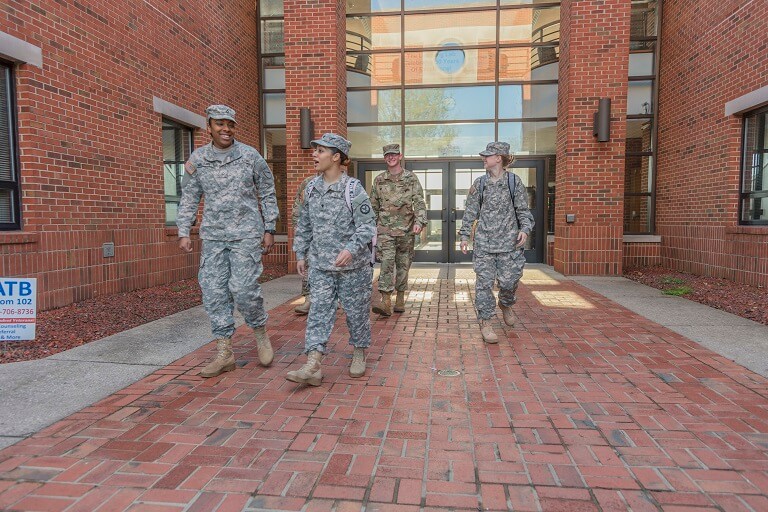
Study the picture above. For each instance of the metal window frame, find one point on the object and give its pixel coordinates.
(178, 140)
(13, 185)
(746, 166)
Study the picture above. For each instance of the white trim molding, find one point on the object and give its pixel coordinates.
(19, 50)
(749, 101)
(181, 115)
(642, 239)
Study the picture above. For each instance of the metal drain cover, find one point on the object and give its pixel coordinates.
(448, 373)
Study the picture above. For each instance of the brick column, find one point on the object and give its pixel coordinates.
(594, 60)
(315, 77)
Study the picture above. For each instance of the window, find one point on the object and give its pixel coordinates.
(754, 169)
(9, 177)
(177, 146)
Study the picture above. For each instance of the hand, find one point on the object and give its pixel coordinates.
(268, 242)
(343, 259)
(301, 267)
(521, 238)
(417, 228)
(185, 244)
(464, 244)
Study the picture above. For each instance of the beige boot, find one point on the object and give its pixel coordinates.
(303, 308)
(310, 373)
(224, 361)
(264, 347)
(400, 302)
(357, 368)
(486, 329)
(384, 308)
(509, 316)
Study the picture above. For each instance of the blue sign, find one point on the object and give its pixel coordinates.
(18, 309)
(450, 61)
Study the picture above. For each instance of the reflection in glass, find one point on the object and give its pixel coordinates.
(533, 63)
(637, 214)
(366, 33)
(361, 6)
(377, 106)
(272, 36)
(274, 108)
(446, 4)
(519, 101)
(440, 67)
(639, 135)
(432, 182)
(643, 20)
(274, 78)
(431, 237)
(638, 174)
(529, 138)
(449, 103)
(433, 140)
(530, 25)
(466, 28)
(274, 144)
(379, 69)
(367, 141)
(641, 64)
(755, 175)
(755, 208)
(271, 7)
(639, 96)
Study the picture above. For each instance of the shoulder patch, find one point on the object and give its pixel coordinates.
(189, 167)
(472, 189)
(365, 209)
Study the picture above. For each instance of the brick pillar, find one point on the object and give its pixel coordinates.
(315, 77)
(594, 60)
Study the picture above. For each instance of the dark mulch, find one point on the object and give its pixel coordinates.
(739, 299)
(77, 324)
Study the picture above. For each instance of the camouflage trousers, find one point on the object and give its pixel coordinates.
(305, 279)
(350, 287)
(229, 274)
(504, 267)
(396, 256)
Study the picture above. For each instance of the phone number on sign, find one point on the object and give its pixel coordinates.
(20, 311)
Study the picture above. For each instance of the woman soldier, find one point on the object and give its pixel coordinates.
(336, 226)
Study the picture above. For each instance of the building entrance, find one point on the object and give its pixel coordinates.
(446, 184)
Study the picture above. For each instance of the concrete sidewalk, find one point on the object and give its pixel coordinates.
(597, 399)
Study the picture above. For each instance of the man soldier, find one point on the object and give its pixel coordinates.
(398, 202)
(238, 227)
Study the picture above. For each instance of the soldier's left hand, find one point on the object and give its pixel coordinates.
(521, 238)
(417, 228)
(343, 259)
(268, 242)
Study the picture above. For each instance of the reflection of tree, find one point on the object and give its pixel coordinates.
(421, 105)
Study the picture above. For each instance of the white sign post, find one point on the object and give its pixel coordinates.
(18, 309)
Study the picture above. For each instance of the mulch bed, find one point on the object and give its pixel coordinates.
(77, 324)
(739, 299)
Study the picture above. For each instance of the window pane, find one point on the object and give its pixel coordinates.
(277, 60)
(637, 214)
(530, 25)
(272, 36)
(274, 108)
(274, 78)
(373, 33)
(638, 174)
(274, 143)
(642, 45)
(639, 135)
(643, 22)
(414, 5)
(432, 140)
(380, 69)
(6, 156)
(6, 207)
(169, 144)
(373, 106)
(171, 211)
(641, 64)
(355, 6)
(533, 63)
(755, 208)
(529, 138)
(367, 141)
(755, 172)
(449, 103)
(450, 66)
(526, 2)
(271, 7)
(527, 101)
(639, 97)
(172, 174)
(427, 30)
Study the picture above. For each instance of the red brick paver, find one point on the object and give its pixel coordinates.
(583, 405)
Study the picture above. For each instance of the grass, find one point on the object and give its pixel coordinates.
(673, 280)
(678, 291)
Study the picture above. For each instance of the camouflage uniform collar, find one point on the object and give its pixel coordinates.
(395, 177)
(210, 154)
(339, 185)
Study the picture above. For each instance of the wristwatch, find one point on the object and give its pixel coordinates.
(270, 231)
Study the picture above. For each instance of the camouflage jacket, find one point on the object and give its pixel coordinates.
(326, 226)
(298, 201)
(398, 202)
(233, 188)
(498, 221)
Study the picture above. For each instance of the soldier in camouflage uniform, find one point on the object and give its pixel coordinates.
(335, 234)
(298, 202)
(497, 210)
(398, 201)
(238, 227)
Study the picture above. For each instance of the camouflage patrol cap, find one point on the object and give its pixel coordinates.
(220, 112)
(496, 148)
(391, 149)
(333, 140)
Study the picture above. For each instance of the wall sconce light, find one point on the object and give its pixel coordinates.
(306, 128)
(601, 127)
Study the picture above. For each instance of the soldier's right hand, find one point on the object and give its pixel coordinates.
(301, 267)
(464, 245)
(185, 244)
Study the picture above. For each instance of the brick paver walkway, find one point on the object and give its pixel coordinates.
(582, 406)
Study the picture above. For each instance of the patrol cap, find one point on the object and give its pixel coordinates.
(220, 112)
(496, 148)
(333, 140)
(391, 149)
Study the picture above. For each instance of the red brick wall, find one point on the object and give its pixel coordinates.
(594, 59)
(712, 51)
(90, 143)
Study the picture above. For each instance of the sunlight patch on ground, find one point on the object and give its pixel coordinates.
(535, 276)
(461, 297)
(562, 299)
(419, 296)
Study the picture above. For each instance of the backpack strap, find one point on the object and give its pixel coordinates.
(351, 183)
(480, 189)
(511, 184)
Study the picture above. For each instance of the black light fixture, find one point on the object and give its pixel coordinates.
(601, 127)
(305, 128)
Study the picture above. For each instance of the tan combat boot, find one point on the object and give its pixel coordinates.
(310, 373)
(263, 346)
(509, 316)
(224, 361)
(486, 329)
(384, 308)
(400, 302)
(303, 308)
(357, 368)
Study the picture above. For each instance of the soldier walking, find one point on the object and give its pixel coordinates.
(398, 202)
(335, 228)
(235, 181)
(497, 211)
(298, 202)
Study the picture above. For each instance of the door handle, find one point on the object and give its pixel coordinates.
(442, 215)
